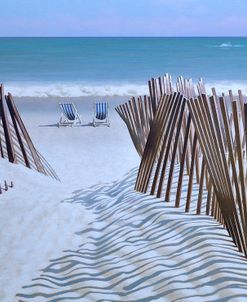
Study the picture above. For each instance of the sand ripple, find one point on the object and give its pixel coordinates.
(141, 249)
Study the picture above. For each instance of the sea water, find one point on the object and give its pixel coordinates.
(117, 66)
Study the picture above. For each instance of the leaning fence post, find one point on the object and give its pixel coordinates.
(18, 119)
(6, 129)
(18, 135)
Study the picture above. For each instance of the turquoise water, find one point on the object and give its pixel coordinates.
(84, 66)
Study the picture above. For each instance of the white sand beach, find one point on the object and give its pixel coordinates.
(91, 237)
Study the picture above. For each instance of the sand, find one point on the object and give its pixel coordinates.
(90, 237)
(81, 156)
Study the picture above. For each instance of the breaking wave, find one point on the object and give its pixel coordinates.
(228, 45)
(80, 90)
(75, 89)
(225, 86)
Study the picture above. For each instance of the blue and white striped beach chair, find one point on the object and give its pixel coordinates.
(70, 116)
(101, 114)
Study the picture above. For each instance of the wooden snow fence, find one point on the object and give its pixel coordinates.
(137, 114)
(15, 142)
(194, 149)
(224, 152)
(6, 186)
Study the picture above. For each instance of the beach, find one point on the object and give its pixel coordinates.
(91, 237)
(89, 151)
(82, 157)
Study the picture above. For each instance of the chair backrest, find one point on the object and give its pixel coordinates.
(101, 110)
(69, 110)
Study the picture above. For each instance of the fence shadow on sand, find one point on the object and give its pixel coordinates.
(141, 249)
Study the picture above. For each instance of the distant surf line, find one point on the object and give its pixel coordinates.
(72, 89)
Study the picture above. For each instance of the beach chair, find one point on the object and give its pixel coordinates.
(70, 116)
(101, 114)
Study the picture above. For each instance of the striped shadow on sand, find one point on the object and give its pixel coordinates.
(141, 249)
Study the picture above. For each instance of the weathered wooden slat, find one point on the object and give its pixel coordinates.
(21, 144)
(16, 116)
(168, 138)
(225, 202)
(202, 176)
(15, 142)
(191, 175)
(154, 139)
(182, 162)
(6, 128)
(175, 151)
(209, 139)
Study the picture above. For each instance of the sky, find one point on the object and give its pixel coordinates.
(123, 18)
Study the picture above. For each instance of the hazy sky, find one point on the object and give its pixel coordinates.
(123, 17)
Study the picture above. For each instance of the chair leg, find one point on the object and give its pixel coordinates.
(78, 121)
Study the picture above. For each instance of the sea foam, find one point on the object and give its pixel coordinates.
(80, 90)
(225, 86)
(228, 45)
(75, 90)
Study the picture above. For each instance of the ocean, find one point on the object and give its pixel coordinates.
(117, 66)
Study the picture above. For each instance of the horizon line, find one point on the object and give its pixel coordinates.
(124, 36)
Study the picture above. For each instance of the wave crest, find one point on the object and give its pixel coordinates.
(75, 90)
(229, 45)
(80, 90)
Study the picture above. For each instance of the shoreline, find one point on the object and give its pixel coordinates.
(107, 90)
